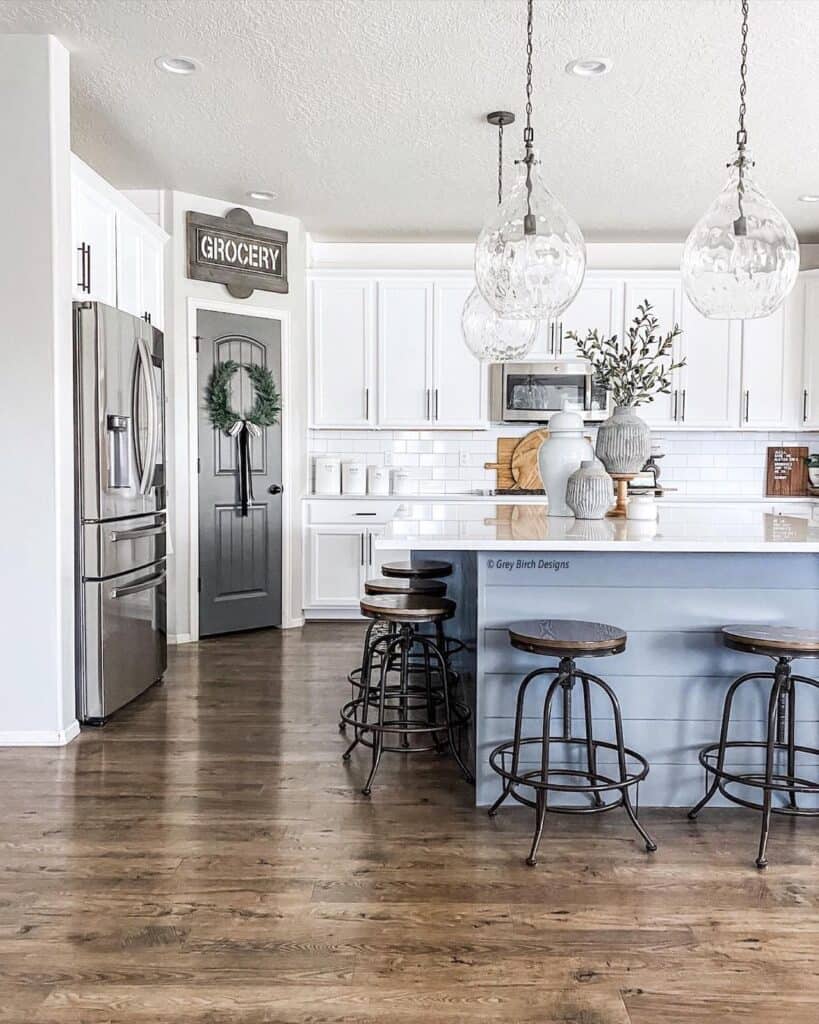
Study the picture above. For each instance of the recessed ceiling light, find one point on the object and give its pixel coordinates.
(809, 198)
(589, 67)
(263, 196)
(177, 65)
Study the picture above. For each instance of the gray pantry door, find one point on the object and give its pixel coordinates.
(240, 575)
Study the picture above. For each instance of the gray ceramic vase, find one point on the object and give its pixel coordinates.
(589, 492)
(623, 441)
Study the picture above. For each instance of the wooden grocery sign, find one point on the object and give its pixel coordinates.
(237, 253)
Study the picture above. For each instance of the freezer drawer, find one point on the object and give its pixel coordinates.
(123, 646)
(122, 545)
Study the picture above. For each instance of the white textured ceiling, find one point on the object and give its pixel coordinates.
(366, 116)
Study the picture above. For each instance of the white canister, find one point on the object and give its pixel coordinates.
(400, 482)
(353, 477)
(642, 508)
(560, 455)
(378, 480)
(327, 475)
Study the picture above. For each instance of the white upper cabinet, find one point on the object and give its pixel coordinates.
(598, 305)
(459, 385)
(765, 400)
(405, 385)
(94, 234)
(118, 251)
(343, 352)
(665, 296)
(809, 398)
(709, 383)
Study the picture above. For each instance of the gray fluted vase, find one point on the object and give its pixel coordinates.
(623, 441)
(589, 492)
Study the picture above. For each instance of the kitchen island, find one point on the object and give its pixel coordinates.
(671, 585)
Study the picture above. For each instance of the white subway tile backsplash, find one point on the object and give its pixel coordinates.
(452, 462)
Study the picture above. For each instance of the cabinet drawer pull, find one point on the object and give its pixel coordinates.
(674, 410)
(365, 513)
(362, 549)
(429, 394)
(805, 406)
(370, 547)
(366, 403)
(560, 349)
(436, 404)
(682, 407)
(747, 405)
(83, 283)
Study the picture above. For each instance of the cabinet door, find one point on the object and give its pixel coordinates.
(151, 271)
(710, 380)
(809, 409)
(598, 304)
(342, 353)
(459, 386)
(336, 561)
(404, 353)
(763, 371)
(93, 224)
(129, 266)
(665, 298)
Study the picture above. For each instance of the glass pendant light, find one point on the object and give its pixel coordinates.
(530, 258)
(742, 257)
(490, 337)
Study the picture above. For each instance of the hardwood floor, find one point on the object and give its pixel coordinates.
(207, 858)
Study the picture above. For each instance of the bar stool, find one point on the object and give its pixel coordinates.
(406, 707)
(782, 644)
(376, 628)
(568, 639)
(420, 569)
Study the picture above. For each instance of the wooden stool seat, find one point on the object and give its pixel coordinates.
(420, 569)
(410, 608)
(567, 637)
(426, 588)
(775, 641)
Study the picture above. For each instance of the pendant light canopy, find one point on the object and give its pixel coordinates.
(490, 337)
(742, 257)
(530, 258)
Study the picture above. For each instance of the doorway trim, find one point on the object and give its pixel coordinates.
(289, 455)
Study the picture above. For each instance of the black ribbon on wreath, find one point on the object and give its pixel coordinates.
(243, 430)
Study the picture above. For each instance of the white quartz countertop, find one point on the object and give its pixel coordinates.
(501, 527)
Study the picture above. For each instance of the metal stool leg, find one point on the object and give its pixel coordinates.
(723, 736)
(342, 725)
(780, 681)
(650, 844)
(541, 798)
(438, 656)
(591, 751)
(791, 737)
(366, 682)
(403, 701)
(493, 810)
(378, 734)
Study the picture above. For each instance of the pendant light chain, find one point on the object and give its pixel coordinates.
(741, 224)
(529, 220)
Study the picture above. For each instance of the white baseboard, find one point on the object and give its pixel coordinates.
(335, 614)
(40, 737)
(179, 638)
(292, 623)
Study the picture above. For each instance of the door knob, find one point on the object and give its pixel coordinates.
(275, 489)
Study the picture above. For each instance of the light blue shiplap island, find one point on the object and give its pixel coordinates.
(671, 585)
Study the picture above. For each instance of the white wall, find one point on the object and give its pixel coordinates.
(179, 331)
(36, 414)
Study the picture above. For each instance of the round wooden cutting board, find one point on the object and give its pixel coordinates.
(525, 472)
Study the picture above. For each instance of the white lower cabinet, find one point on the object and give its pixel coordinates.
(335, 566)
(340, 555)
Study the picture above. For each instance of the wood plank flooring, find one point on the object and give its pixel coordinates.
(208, 858)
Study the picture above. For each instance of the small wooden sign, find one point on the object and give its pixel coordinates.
(237, 253)
(787, 472)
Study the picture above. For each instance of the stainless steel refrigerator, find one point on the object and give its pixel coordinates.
(119, 395)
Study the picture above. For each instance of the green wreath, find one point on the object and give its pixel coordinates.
(266, 404)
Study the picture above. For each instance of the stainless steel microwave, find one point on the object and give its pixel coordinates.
(531, 392)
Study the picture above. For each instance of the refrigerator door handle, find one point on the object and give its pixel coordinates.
(136, 588)
(146, 465)
(144, 531)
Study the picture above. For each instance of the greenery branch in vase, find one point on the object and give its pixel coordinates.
(633, 370)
